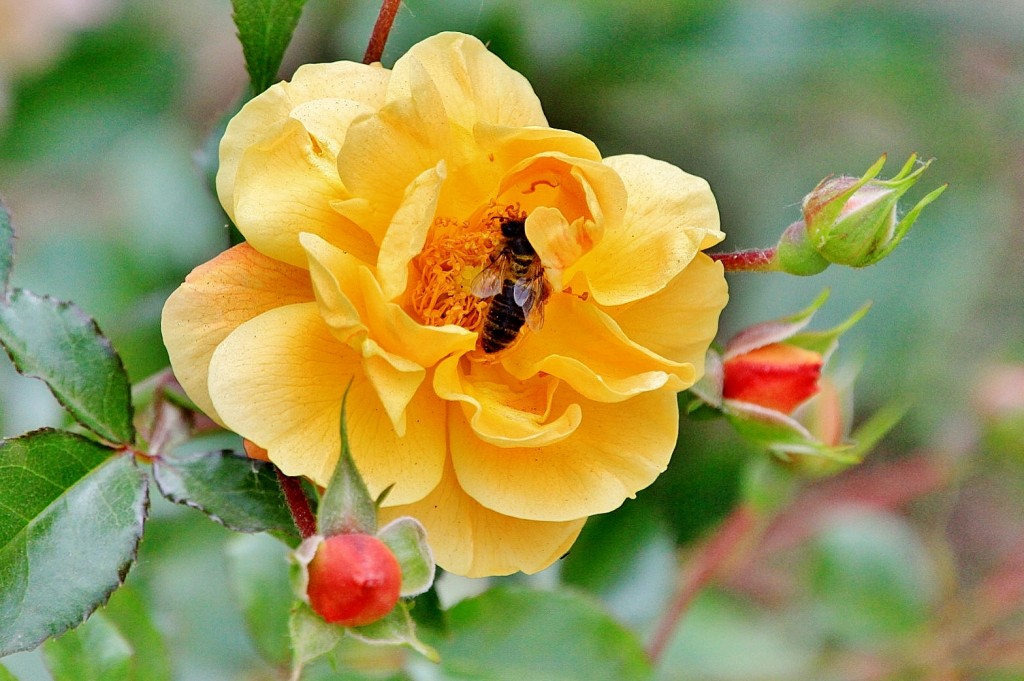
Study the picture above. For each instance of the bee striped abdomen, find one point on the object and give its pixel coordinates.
(515, 283)
(503, 322)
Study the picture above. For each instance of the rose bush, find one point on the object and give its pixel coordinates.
(370, 200)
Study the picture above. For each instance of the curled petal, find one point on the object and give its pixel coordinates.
(469, 539)
(582, 345)
(341, 80)
(288, 184)
(215, 299)
(352, 302)
(679, 321)
(279, 379)
(504, 412)
(475, 85)
(670, 216)
(606, 459)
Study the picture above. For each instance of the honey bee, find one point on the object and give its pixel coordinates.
(515, 279)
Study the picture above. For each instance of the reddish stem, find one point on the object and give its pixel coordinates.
(302, 514)
(754, 260)
(716, 554)
(381, 30)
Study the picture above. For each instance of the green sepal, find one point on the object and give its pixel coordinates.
(346, 505)
(265, 28)
(70, 525)
(395, 628)
(407, 539)
(59, 344)
(311, 636)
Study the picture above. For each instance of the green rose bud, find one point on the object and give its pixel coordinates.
(854, 221)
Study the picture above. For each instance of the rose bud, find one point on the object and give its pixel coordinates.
(354, 580)
(776, 376)
(855, 222)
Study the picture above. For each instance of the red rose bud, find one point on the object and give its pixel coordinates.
(354, 580)
(775, 376)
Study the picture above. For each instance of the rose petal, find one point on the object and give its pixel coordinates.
(468, 539)
(670, 216)
(616, 450)
(474, 84)
(278, 380)
(352, 302)
(582, 345)
(501, 410)
(215, 299)
(344, 80)
(287, 184)
(679, 321)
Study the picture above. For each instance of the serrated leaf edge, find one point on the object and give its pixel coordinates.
(104, 342)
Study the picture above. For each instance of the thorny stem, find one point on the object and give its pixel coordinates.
(754, 260)
(302, 514)
(720, 550)
(381, 30)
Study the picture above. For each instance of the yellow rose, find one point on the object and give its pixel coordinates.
(372, 200)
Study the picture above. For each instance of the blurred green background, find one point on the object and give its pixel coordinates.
(106, 108)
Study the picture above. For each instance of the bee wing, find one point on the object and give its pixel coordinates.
(488, 282)
(535, 314)
(527, 288)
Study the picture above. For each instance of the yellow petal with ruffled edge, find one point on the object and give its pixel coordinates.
(584, 346)
(279, 379)
(471, 540)
(680, 321)
(475, 85)
(350, 295)
(670, 216)
(616, 450)
(341, 80)
(215, 299)
(502, 411)
(288, 184)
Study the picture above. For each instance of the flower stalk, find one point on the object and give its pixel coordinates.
(381, 31)
(752, 260)
(298, 505)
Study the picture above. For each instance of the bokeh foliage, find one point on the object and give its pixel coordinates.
(763, 100)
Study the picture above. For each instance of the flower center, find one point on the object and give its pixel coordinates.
(454, 254)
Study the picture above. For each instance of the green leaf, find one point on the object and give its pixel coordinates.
(265, 28)
(71, 517)
(6, 675)
(511, 634)
(59, 344)
(873, 577)
(240, 493)
(129, 613)
(6, 248)
(95, 651)
(258, 565)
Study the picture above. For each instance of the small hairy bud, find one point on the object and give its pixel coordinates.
(354, 580)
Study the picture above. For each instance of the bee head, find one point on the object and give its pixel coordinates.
(513, 229)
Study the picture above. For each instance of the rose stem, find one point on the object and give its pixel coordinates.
(754, 260)
(381, 30)
(723, 546)
(302, 514)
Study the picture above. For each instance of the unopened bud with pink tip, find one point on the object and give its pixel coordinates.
(855, 221)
